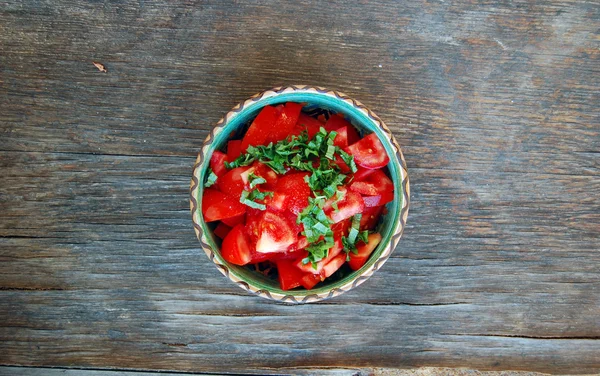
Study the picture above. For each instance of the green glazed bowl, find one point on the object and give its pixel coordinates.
(316, 99)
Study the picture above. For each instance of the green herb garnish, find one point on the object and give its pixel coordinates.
(211, 180)
(249, 198)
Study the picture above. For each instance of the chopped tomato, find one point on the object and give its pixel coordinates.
(305, 122)
(275, 233)
(309, 280)
(341, 164)
(235, 248)
(342, 227)
(364, 251)
(370, 217)
(361, 173)
(285, 122)
(234, 221)
(291, 193)
(289, 276)
(333, 265)
(222, 230)
(369, 152)
(336, 122)
(217, 163)
(341, 139)
(234, 150)
(261, 127)
(217, 205)
(376, 184)
(333, 252)
(232, 183)
(352, 203)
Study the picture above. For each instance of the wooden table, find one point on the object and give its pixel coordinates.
(496, 107)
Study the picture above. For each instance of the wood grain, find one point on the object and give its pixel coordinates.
(494, 104)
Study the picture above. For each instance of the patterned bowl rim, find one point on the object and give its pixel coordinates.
(292, 296)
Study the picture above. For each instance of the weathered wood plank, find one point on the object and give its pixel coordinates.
(494, 104)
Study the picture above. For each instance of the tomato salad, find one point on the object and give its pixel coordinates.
(301, 194)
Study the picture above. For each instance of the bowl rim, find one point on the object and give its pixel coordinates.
(292, 296)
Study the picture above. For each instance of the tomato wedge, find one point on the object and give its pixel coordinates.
(291, 193)
(333, 252)
(375, 184)
(341, 138)
(285, 122)
(261, 127)
(275, 233)
(236, 248)
(232, 183)
(369, 152)
(370, 217)
(289, 276)
(234, 150)
(364, 251)
(333, 265)
(352, 203)
(234, 221)
(217, 205)
(217, 163)
(306, 123)
(336, 122)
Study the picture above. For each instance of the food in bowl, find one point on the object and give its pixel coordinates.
(298, 195)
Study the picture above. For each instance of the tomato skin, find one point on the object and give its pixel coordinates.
(234, 150)
(309, 280)
(234, 221)
(333, 265)
(341, 138)
(370, 217)
(377, 188)
(369, 152)
(308, 123)
(361, 173)
(337, 121)
(217, 205)
(364, 251)
(259, 130)
(232, 183)
(291, 193)
(351, 204)
(289, 276)
(236, 248)
(275, 233)
(217, 163)
(285, 122)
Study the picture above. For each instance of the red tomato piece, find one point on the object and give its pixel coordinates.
(217, 205)
(361, 173)
(232, 183)
(377, 184)
(369, 152)
(260, 170)
(234, 221)
(333, 265)
(341, 139)
(275, 233)
(289, 276)
(286, 121)
(261, 127)
(333, 252)
(222, 230)
(364, 251)
(341, 164)
(336, 122)
(309, 280)
(342, 227)
(370, 217)
(305, 122)
(234, 150)
(217, 163)
(291, 193)
(352, 203)
(236, 248)
(253, 217)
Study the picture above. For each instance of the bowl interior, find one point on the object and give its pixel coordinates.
(236, 126)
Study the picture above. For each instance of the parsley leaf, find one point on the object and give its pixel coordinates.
(212, 179)
(248, 198)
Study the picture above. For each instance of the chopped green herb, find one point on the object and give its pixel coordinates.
(255, 180)
(212, 179)
(248, 198)
(354, 235)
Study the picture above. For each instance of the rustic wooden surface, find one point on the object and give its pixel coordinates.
(495, 106)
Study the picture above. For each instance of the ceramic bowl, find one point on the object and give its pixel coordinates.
(317, 100)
